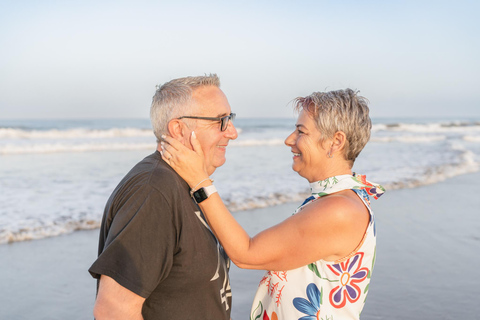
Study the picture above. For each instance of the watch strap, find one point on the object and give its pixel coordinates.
(203, 193)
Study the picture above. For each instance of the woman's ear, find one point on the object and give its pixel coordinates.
(338, 142)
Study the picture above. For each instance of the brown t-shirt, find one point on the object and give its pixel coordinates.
(155, 242)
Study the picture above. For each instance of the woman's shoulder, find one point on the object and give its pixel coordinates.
(343, 209)
(345, 201)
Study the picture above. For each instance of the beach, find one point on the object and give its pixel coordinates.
(78, 82)
(427, 246)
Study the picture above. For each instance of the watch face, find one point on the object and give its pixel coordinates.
(200, 195)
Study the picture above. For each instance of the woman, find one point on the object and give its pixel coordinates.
(320, 259)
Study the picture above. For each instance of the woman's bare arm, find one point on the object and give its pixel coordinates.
(328, 228)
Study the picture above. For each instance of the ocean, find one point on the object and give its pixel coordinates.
(56, 175)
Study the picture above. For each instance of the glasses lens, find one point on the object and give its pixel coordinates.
(224, 123)
(225, 120)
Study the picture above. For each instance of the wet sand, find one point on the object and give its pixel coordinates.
(427, 256)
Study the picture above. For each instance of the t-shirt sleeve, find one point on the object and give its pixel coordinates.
(140, 245)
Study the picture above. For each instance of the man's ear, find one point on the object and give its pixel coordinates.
(176, 129)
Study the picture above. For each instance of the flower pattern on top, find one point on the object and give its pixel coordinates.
(375, 190)
(350, 274)
(311, 307)
(265, 316)
(337, 290)
(364, 195)
(334, 184)
(275, 283)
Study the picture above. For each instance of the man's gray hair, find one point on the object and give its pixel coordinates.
(341, 110)
(174, 98)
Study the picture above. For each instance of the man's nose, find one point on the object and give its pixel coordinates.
(231, 131)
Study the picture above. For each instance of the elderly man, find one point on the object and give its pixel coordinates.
(157, 257)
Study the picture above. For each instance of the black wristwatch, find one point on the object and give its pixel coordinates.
(203, 193)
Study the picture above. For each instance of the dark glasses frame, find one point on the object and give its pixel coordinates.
(223, 120)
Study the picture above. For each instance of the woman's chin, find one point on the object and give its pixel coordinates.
(296, 169)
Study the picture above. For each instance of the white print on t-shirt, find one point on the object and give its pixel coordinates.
(225, 291)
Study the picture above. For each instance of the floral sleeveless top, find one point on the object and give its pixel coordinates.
(327, 290)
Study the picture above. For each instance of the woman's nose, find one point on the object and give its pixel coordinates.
(290, 141)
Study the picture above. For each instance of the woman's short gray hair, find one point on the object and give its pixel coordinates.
(174, 98)
(340, 110)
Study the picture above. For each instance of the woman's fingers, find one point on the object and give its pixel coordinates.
(165, 154)
(168, 150)
(189, 164)
(196, 144)
(172, 142)
(176, 148)
(173, 151)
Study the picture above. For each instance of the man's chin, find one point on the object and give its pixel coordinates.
(216, 165)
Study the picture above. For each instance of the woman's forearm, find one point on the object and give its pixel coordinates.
(228, 231)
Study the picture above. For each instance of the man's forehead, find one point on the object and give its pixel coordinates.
(211, 101)
(206, 92)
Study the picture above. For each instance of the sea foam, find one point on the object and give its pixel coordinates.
(56, 180)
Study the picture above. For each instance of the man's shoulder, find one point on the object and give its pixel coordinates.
(151, 178)
(153, 172)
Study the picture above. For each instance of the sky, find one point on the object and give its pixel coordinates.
(103, 59)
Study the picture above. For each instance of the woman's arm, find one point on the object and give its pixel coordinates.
(328, 228)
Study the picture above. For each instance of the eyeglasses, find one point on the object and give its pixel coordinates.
(223, 120)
